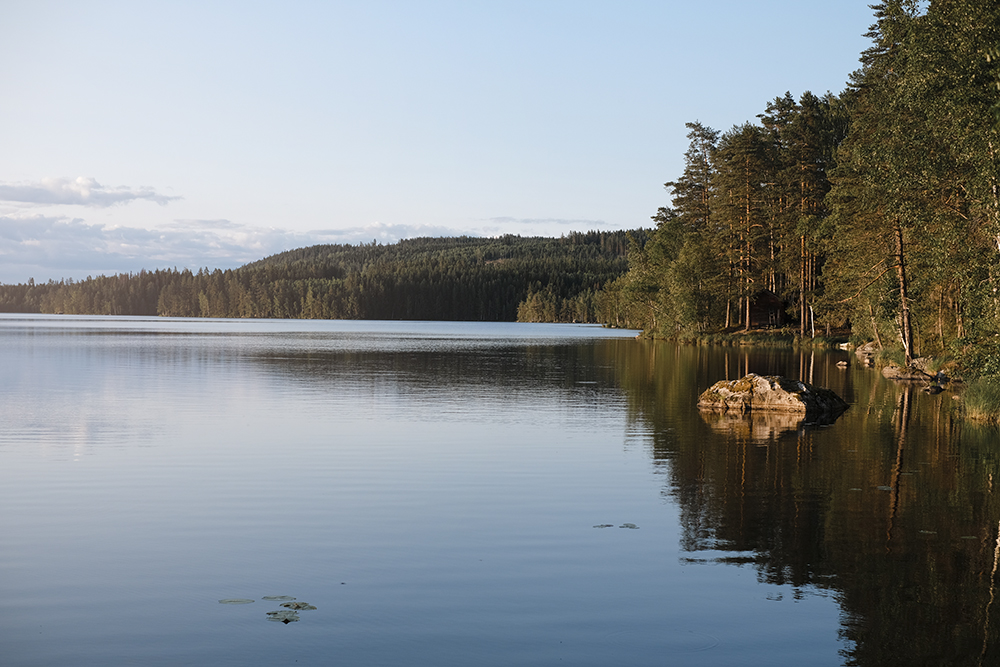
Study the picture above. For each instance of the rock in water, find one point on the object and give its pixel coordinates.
(771, 393)
(912, 373)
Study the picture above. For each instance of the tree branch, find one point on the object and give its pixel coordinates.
(875, 279)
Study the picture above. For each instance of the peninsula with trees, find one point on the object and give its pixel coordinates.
(876, 210)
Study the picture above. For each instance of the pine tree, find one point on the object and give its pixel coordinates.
(745, 166)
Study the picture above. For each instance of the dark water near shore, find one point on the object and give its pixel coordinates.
(434, 490)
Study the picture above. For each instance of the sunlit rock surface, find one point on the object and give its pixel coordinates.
(771, 393)
(912, 373)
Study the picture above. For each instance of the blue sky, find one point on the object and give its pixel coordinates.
(209, 134)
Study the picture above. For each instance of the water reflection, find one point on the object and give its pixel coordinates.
(401, 460)
(757, 426)
(891, 509)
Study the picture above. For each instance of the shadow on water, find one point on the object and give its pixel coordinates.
(891, 509)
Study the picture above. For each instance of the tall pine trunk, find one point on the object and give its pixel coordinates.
(904, 301)
(802, 286)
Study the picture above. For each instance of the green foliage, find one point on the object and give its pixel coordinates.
(878, 209)
(442, 279)
(979, 358)
(748, 216)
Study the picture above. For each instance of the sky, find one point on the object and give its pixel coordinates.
(153, 134)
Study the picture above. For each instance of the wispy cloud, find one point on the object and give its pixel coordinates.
(540, 226)
(81, 191)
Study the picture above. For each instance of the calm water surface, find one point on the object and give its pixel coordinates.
(434, 489)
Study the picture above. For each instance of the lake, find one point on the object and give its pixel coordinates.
(469, 493)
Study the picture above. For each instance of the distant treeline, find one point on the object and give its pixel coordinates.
(462, 278)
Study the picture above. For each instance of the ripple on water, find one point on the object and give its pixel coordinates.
(672, 640)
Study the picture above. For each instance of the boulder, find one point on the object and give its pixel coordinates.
(771, 393)
(866, 353)
(909, 374)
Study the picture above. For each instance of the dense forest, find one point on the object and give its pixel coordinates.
(876, 209)
(464, 278)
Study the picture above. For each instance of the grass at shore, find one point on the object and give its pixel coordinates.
(890, 357)
(982, 400)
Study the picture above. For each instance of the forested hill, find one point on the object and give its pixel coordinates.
(463, 278)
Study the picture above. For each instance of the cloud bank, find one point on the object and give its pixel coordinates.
(81, 191)
(52, 247)
(47, 246)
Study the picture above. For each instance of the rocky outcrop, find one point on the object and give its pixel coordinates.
(910, 374)
(771, 393)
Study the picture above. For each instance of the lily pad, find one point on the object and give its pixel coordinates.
(283, 616)
(277, 597)
(605, 525)
(629, 525)
(235, 601)
(298, 605)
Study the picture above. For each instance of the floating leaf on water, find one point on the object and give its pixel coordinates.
(283, 616)
(968, 537)
(605, 525)
(298, 605)
(854, 489)
(277, 597)
(928, 532)
(628, 525)
(235, 601)
(885, 488)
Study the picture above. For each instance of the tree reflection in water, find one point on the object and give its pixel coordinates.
(891, 509)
